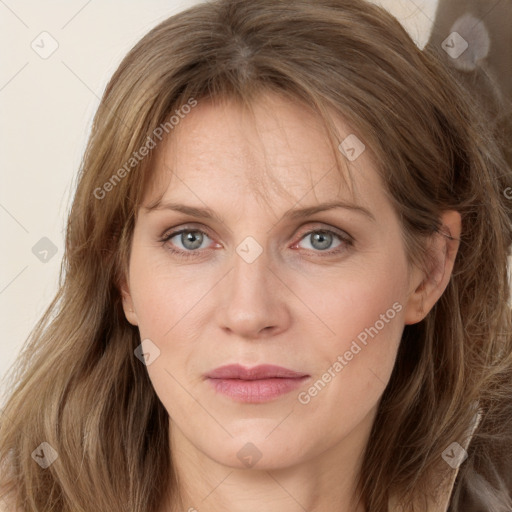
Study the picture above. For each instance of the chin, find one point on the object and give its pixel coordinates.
(255, 449)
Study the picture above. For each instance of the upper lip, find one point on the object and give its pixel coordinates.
(264, 371)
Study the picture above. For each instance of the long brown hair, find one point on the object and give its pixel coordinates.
(77, 385)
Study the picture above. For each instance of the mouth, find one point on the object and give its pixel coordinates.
(259, 384)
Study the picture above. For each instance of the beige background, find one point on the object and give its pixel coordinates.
(46, 110)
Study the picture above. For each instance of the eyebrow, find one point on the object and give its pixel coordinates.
(295, 213)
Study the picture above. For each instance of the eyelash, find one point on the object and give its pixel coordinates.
(347, 239)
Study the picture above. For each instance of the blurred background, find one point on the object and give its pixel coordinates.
(57, 59)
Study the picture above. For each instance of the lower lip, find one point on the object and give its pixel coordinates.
(256, 391)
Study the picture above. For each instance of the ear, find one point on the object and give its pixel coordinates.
(426, 289)
(129, 310)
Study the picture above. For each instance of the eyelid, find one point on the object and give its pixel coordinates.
(184, 227)
(321, 226)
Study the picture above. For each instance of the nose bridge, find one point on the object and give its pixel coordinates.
(251, 301)
(250, 276)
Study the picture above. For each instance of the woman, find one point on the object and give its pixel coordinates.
(285, 281)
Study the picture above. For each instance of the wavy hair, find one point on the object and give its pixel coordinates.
(77, 385)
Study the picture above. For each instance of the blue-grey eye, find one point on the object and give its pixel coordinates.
(190, 239)
(321, 240)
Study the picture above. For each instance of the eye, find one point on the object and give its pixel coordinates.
(191, 241)
(321, 240)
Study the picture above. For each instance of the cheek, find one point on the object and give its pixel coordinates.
(356, 299)
(164, 300)
(354, 358)
(162, 296)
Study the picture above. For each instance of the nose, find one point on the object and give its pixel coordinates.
(253, 299)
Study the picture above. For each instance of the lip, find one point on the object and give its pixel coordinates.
(263, 371)
(261, 383)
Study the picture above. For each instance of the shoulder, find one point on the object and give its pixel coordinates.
(439, 500)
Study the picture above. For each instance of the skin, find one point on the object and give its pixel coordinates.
(292, 306)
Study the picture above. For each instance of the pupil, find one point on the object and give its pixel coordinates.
(323, 238)
(189, 237)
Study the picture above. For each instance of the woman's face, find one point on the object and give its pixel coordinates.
(324, 294)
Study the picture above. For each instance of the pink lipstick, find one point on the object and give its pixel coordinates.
(259, 384)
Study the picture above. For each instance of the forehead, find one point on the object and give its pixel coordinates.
(277, 148)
